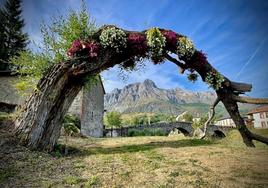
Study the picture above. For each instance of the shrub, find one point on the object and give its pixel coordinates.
(146, 132)
(113, 38)
(156, 41)
(113, 119)
(71, 125)
(185, 48)
(214, 80)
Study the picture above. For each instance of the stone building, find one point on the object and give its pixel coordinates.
(259, 117)
(226, 122)
(88, 105)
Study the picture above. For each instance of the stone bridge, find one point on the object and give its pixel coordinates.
(183, 127)
(218, 131)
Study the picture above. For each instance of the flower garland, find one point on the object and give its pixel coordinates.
(76, 46)
(156, 41)
(89, 48)
(92, 48)
(171, 39)
(137, 44)
(185, 47)
(214, 80)
(114, 38)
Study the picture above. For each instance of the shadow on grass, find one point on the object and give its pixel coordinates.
(141, 147)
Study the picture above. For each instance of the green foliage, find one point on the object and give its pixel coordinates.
(156, 41)
(146, 119)
(72, 180)
(113, 119)
(113, 38)
(187, 117)
(93, 181)
(214, 80)
(12, 38)
(71, 125)
(31, 66)
(185, 47)
(30, 63)
(200, 123)
(91, 80)
(59, 36)
(203, 119)
(57, 39)
(146, 132)
(192, 77)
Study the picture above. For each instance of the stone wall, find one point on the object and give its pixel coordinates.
(8, 92)
(76, 107)
(92, 111)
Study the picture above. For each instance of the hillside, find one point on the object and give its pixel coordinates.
(147, 97)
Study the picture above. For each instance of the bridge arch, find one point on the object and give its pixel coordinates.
(183, 131)
(218, 134)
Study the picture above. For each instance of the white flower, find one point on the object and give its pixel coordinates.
(114, 38)
(185, 47)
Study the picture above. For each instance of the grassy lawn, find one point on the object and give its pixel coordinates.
(173, 161)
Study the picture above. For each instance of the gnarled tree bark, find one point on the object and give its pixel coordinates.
(39, 123)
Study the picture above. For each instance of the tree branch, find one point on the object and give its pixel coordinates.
(259, 138)
(177, 62)
(249, 100)
(241, 87)
(210, 116)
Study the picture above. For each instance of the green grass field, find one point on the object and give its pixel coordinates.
(173, 161)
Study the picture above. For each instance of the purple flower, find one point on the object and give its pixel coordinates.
(137, 44)
(201, 58)
(76, 46)
(171, 38)
(92, 48)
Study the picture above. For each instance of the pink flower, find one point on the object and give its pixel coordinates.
(137, 44)
(76, 46)
(92, 48)
(171, 39)
(201, 58)
(88, 48)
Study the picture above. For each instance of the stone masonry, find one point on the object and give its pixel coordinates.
(92, 111)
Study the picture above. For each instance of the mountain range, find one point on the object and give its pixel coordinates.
(147, 97)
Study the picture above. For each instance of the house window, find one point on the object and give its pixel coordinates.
(261, 115)
(263, 124)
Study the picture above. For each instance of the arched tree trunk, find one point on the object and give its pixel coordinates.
(39, 123)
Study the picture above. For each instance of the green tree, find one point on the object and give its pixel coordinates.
(187, 117)
(113, 119)
(135, 120)
(57, 38)
(200, 122)
(12, 38)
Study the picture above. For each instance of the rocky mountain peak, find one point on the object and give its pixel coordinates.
(147, 97)
(149, 83)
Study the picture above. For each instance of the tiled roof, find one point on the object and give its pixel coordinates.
(259, 109)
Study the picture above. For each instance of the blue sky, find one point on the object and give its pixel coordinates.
(233, 34)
